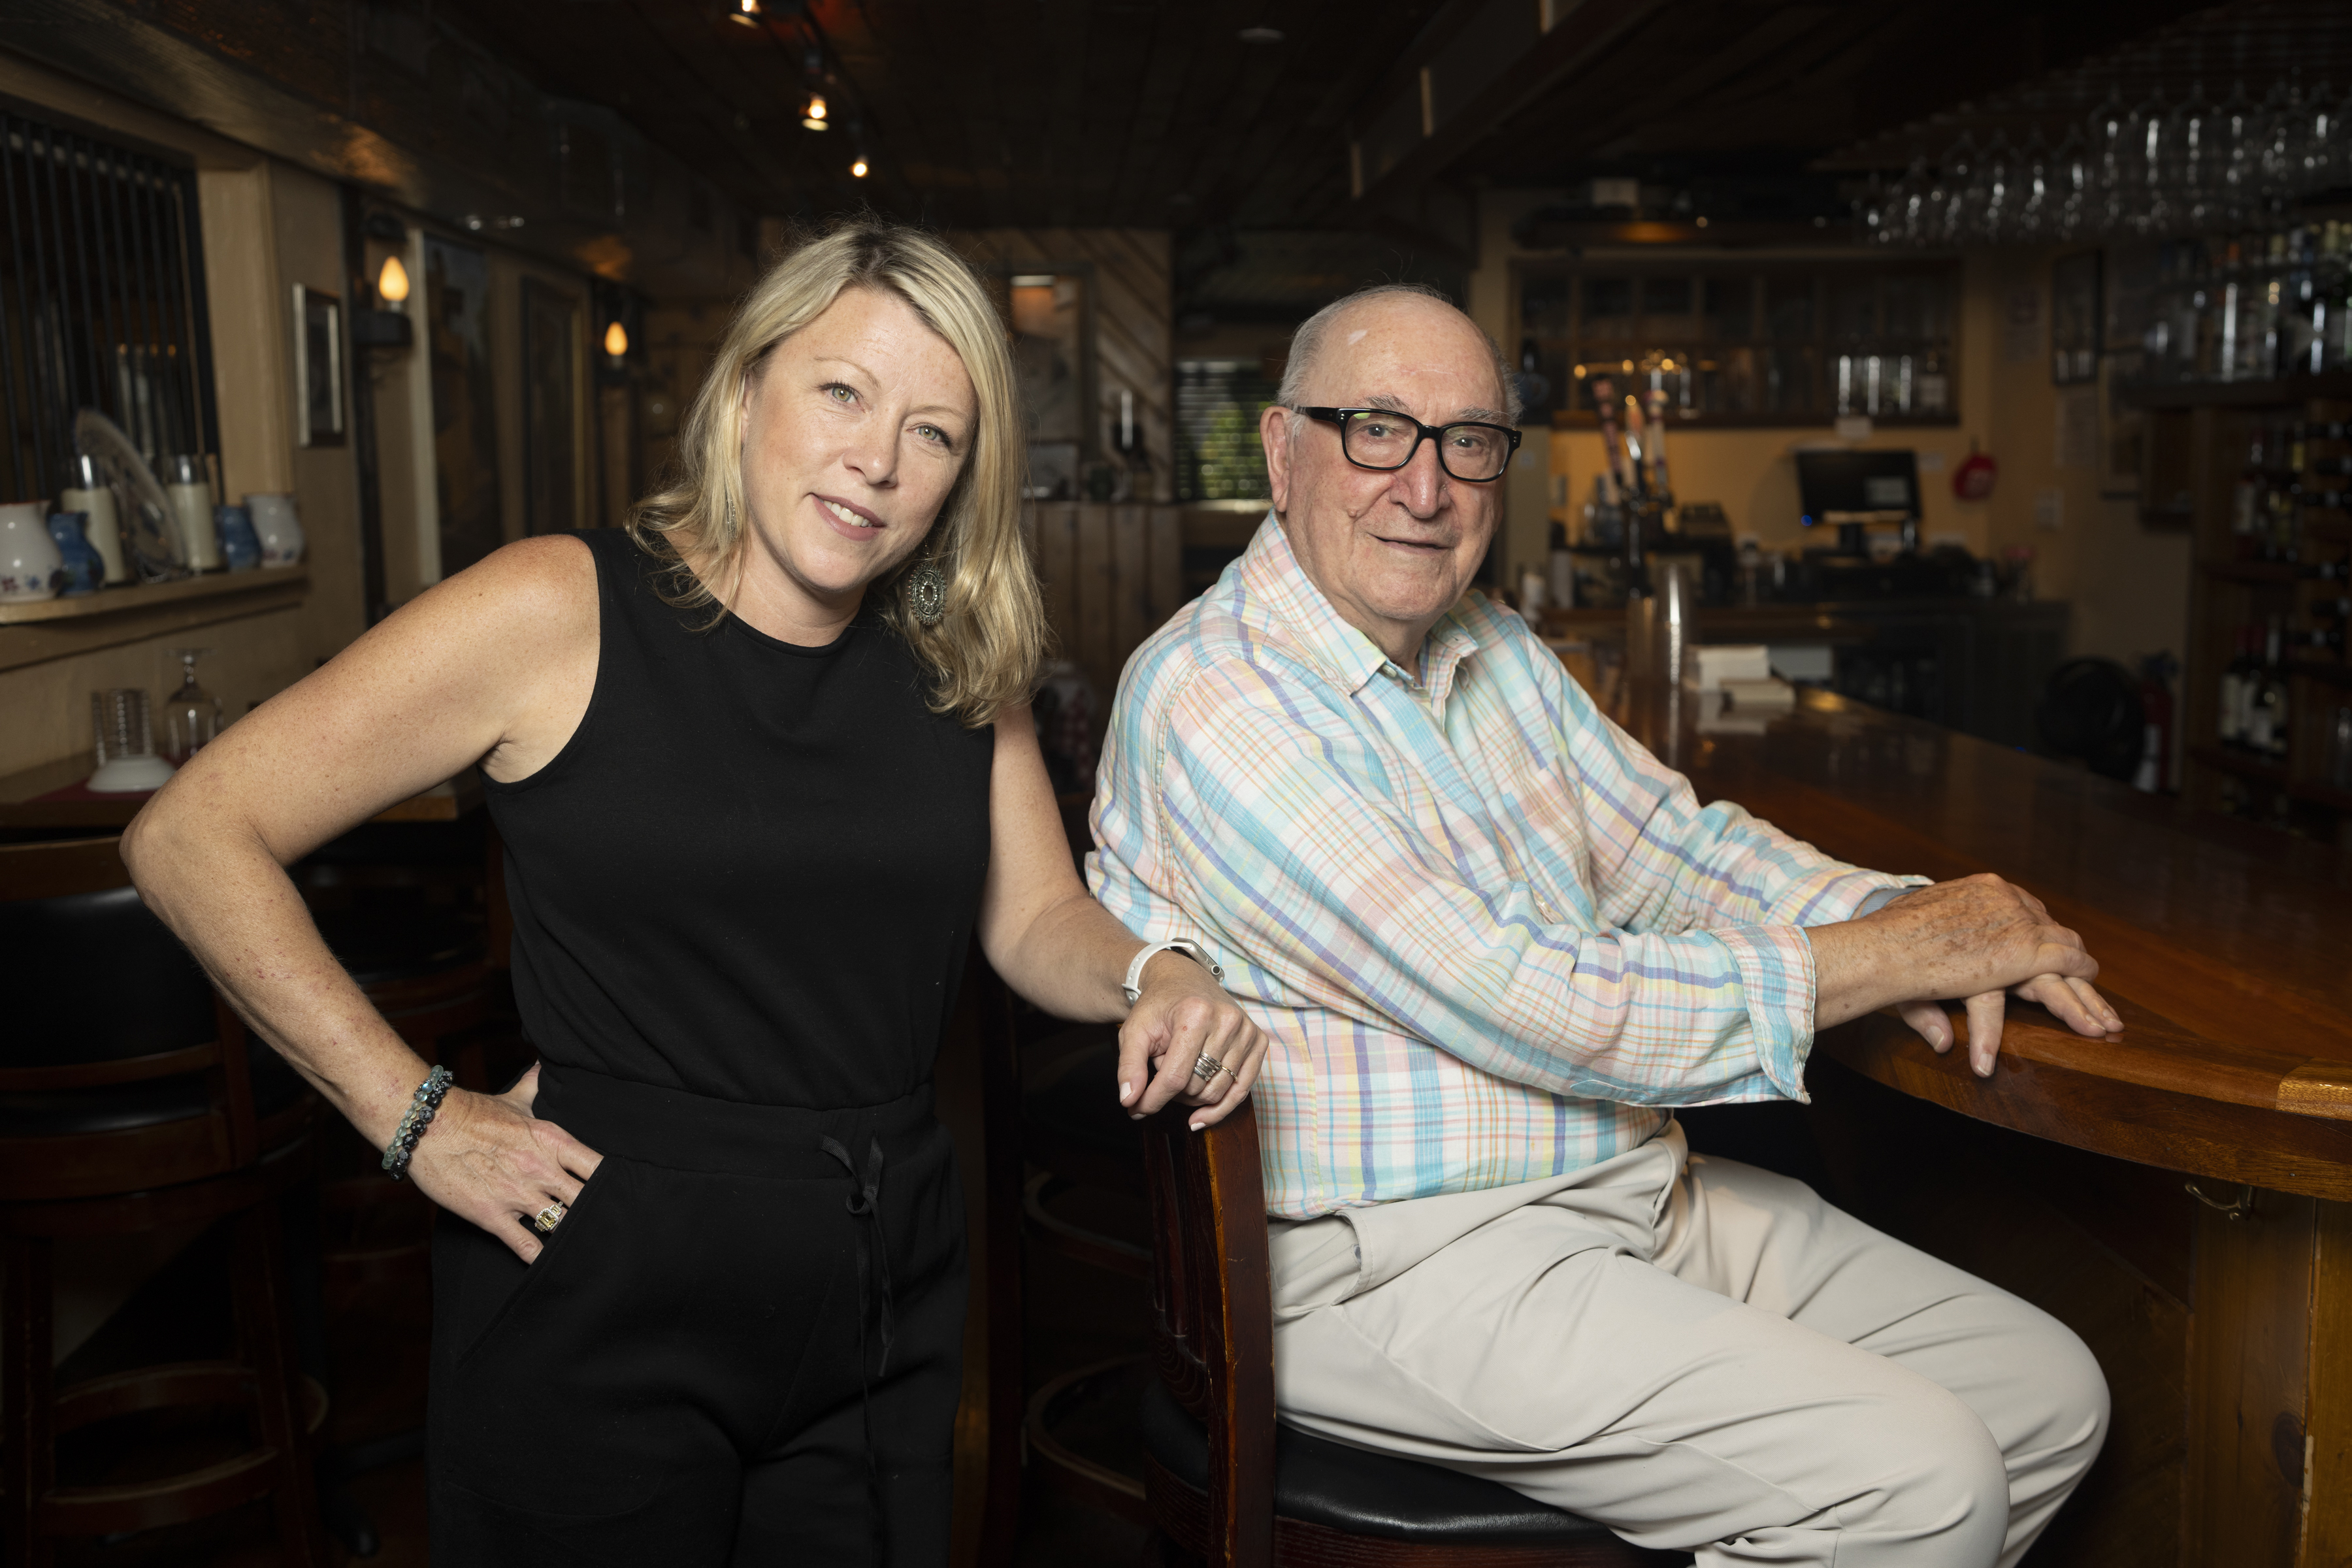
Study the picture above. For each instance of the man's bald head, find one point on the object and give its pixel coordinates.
(1308, 344)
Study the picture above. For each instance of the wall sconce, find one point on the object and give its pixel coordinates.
(813, 114)
(616, 343)
(381, 328)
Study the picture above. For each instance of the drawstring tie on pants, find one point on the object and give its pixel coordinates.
(865, 1204)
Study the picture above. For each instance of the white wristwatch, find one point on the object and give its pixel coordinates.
(1133, 986)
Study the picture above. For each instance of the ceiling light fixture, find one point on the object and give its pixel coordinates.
(616, 341)
(746, 12)
(392, 283)
(813, 116)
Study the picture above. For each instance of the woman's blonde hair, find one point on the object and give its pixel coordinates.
(985, 650)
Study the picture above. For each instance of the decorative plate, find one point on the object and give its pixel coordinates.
(154, 545)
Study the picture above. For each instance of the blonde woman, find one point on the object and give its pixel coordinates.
(761, 763)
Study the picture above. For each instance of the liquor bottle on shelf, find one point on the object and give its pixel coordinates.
(2230, 726)
(2269, 716)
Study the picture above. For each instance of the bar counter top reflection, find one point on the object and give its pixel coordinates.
(2182, 1194)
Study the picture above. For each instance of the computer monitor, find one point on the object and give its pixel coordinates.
(1849, 490)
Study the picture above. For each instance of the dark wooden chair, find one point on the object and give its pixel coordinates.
(1231, 1488)
(132, 1100)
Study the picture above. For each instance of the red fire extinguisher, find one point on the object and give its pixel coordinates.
(1972, 480)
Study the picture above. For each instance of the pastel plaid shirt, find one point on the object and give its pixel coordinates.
(1491, 937)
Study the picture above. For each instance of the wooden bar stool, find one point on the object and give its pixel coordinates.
(1231, 1488)
(131, 1100)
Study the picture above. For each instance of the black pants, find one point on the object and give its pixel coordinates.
(678, 1380)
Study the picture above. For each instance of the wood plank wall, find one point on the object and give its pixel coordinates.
(1112, 576)
(1134, 341)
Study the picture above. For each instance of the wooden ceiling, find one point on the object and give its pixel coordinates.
(1061, 113)
(984, 113)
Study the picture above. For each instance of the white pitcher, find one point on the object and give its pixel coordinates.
(277, 527)
(31, 566)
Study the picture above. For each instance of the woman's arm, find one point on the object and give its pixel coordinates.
(1061, 950)
(495, 665)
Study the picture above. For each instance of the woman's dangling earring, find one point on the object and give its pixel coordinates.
(927, 593)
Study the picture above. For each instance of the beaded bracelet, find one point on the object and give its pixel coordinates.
(422, 1105)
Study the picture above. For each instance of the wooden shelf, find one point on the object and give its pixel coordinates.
(2236, 394)
(57, 628)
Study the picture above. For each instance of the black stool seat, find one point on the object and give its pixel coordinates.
(1318, 1481)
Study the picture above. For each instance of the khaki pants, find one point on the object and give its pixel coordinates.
(1697, 1353)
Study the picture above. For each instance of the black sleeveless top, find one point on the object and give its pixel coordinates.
(752, 870)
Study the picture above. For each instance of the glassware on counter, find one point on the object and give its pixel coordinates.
(192, 716)
(91, 495)
(125, 745)
(30, 566)
(83, 568)
(191, 508)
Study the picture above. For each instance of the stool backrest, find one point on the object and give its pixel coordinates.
(1213, 1313)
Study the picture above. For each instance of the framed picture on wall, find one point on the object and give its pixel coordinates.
(2076, 325)
(317, 368)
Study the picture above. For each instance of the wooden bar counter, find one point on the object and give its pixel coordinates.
(2223, 1315)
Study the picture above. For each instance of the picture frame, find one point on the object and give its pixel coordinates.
(2076, 327)
(317, 368)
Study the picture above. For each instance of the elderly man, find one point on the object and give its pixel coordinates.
(1494, 941)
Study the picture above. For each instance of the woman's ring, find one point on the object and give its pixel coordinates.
(548, 1219)
(1207, 1066)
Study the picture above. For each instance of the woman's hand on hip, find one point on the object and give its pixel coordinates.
(1182, 1021)
(486, 1159)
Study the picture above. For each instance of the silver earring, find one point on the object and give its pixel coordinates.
(927, 593)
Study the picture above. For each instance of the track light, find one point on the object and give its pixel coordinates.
(745, 12)
(812, 117)
(857, 169)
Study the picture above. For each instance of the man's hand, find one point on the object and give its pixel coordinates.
(1979, 938)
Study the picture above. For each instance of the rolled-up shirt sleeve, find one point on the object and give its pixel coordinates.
(1297, 845)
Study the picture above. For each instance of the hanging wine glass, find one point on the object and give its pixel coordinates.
(1870, 213)
(2107, 138)
(1906, 202)
(2072, 163)
(1992, 213)
(2189, 160)
(2235, 152)
(1957, 176)
(2036, 213)
(2321, 131)
(2150, 212)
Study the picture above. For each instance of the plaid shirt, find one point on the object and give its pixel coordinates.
(1491, 937)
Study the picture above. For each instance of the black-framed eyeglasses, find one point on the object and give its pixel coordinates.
(1384, 439)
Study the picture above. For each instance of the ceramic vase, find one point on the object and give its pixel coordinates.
(30, 566)
(277, 528)
(240, 551)
(85, 567)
